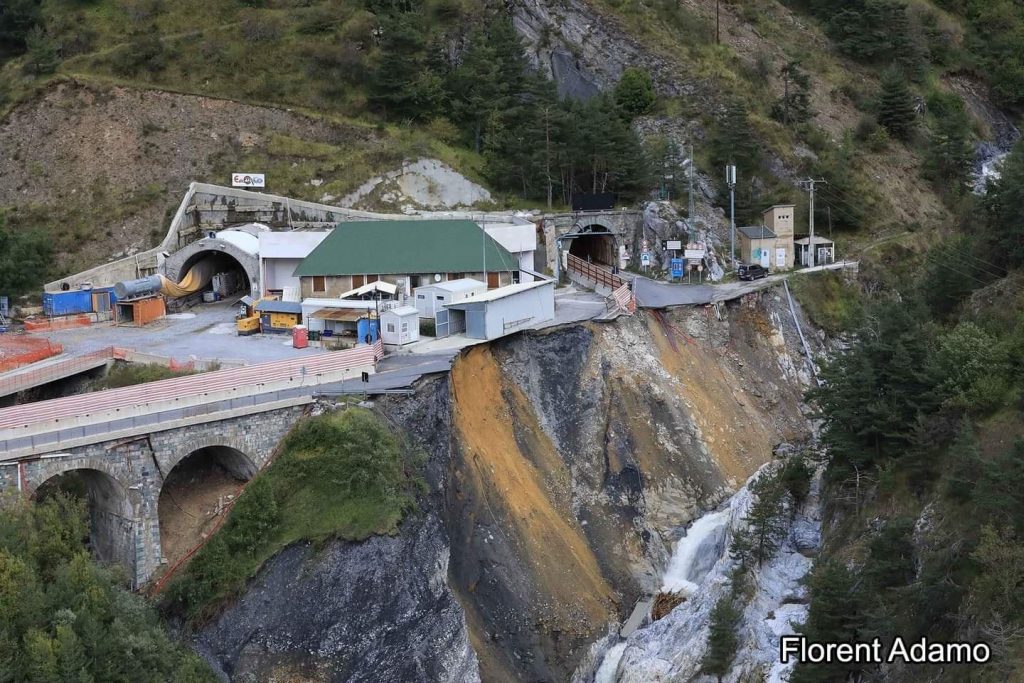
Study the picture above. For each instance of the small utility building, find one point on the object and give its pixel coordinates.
(430, 298)
(499, 311)
(824, 250)
(771, 243)
(400, 325)
(406, 253)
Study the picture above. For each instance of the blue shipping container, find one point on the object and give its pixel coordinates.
(70, 302)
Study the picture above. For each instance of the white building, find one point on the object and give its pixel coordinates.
(400, 325)
(428, 299)
(500, 311)
(519, 239)
(281, 253)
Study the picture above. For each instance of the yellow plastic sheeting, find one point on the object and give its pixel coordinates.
(197, 277)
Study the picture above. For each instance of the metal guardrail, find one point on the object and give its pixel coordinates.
(594, 271)
(21, 379)
(151, 421)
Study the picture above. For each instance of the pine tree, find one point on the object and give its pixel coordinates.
(795, 104)
(1005, 204)
(41, 53)
(17, 19)
(474, 88)
(722, 640)
(403, 86)
(896, 111)
(891, 555)
(72, 663)
(634, 92)
(950, 156)
(765, 526)
(835, 616)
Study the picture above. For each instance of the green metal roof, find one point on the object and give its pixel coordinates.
(404, 247)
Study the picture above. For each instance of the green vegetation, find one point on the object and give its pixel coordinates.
(922, 417)
(64, 618)
(339, 475)
(24, 259)
(128, 374)
(722, 640)
(830, 301)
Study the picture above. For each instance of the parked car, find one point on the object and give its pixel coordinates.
(753, 271)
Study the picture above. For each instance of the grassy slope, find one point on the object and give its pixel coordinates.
(339, 475)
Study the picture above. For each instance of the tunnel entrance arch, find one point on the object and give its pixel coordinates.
(112, 518)
(223, 257)
(195, 493)
(596, 244)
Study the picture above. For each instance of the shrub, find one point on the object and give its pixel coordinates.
(634, 93)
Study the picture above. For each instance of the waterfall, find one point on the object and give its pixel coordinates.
(696, 553)
(610, 664)
(673, 647)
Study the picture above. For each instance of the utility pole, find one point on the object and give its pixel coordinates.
(691, 209)
(718, 25)
(810, 189)
(730, 180)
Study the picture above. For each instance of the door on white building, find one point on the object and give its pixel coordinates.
(766, 256)
(780, 257)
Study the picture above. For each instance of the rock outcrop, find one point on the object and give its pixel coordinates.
(379, 610)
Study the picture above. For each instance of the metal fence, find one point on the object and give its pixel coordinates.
(594, 271)
(22, 379)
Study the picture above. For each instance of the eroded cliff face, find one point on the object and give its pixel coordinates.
(578, 456)
(561, 466)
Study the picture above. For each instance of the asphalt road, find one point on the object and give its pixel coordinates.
(653, 294)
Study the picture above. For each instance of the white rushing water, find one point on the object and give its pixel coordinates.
(672, 648)
(606, 673)
(696, 553)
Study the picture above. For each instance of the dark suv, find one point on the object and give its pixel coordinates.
(753, 271)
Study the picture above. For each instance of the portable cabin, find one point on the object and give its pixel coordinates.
(278, 317)
(141, 311)
(400, 325)
(430, 298)
(500, 311)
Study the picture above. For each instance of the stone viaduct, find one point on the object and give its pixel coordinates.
(124, 477)
(122, 444)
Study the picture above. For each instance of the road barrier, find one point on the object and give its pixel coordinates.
(596, 272)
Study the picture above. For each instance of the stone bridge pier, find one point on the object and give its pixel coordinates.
(123, 478)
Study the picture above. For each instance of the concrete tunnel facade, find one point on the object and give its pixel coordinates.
(177, 264)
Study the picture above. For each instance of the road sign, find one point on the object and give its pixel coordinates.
(645, 259)
(677, 267)
(673, 245)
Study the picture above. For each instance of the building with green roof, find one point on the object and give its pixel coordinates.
(407, 253)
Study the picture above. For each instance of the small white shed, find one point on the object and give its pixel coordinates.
(430, 298)
(400, 325)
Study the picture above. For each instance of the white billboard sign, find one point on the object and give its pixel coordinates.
(694, 253)
(248, 180)
(674, 245)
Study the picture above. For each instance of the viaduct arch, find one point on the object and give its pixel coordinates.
(124, 478)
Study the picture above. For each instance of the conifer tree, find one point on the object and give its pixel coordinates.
(634, 92)
(896, 110)
(722, 640)
(794, 106)
(836, 616)
(765, 526)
